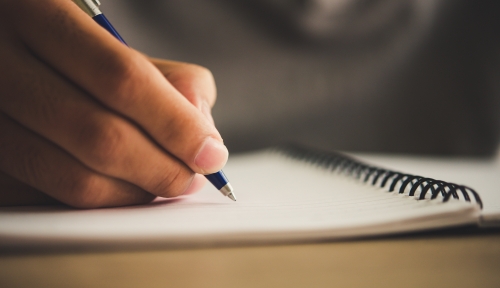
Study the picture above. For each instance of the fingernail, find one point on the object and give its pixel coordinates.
(207, 111)
(212, 156)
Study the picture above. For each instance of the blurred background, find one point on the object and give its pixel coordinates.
(404, 76)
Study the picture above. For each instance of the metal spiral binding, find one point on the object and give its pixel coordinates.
(380, 177)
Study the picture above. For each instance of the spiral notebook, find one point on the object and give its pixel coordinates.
(284, 195)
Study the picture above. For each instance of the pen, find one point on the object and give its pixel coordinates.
(91, 7)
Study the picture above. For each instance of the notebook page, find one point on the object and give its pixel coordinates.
(279, 199)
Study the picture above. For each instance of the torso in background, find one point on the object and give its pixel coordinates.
(390, 76)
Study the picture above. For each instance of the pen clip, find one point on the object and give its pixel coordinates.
(91, 7)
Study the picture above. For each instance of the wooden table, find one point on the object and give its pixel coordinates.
(445, 259)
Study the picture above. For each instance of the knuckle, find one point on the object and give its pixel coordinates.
(84, 191)
(174, 182)
(34, 166)
(202, 74)
(194, 72)
(89, 190)
(124, 78)
(205, 76)
(196, 81)
(103, 144)
(200, 71)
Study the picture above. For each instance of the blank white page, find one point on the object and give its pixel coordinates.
(279, 199)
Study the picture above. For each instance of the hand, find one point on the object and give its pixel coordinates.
(93, 123)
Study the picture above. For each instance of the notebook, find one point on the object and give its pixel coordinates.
(287, 194)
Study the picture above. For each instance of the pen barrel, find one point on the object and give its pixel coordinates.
(103, 21)
(217, 179)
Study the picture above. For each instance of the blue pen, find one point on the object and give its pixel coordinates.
(91, 7)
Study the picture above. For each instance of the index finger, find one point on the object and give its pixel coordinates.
(124, 80)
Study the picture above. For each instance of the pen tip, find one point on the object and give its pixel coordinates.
(231, 196)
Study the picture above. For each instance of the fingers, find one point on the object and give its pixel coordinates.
(121, 79)
(17, 193)
(99, 138)
(47, 168)
(198, 183)
(194, 82)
